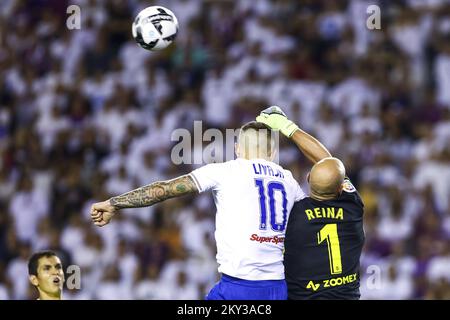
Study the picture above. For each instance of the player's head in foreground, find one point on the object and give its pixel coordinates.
(255, 141)
(326, 178)
(45, 272)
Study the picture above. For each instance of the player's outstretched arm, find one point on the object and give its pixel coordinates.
(102, 212)
(276, 119)
(310, 146)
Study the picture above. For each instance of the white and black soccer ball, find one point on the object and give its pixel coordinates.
(155, 28)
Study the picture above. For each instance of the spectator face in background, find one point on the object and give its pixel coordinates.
(46, 274)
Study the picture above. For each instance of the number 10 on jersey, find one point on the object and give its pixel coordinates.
(277, 218)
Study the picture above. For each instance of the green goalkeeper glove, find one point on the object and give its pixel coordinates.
(276, 119)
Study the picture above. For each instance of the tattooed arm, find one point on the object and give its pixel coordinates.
(102, 212)
(154, 193)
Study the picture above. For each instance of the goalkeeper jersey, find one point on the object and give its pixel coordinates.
(324, 241)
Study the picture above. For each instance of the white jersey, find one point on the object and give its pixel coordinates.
(253, 200)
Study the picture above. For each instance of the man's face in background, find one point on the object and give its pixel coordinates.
(50, 276)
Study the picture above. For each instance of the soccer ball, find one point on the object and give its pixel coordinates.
(155, 28)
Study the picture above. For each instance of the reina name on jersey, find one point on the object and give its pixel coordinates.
(327, 213)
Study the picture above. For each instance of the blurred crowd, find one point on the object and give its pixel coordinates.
(87, 114)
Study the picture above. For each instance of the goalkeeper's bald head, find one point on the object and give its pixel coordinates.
(326, 178)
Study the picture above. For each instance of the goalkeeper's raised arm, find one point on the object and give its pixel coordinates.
(276, 119)
(102, 212)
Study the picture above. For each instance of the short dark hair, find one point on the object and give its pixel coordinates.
(258, 126)
(33, 262)
(255, 125)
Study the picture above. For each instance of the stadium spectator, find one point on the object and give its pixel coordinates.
(46, 273)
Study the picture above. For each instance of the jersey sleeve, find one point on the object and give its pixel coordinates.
(347, 186)
(208, 177)
(349, 189)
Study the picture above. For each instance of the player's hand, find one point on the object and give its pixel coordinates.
(276, 119)
(102, 213)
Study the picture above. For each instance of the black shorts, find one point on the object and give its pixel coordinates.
(331, 294)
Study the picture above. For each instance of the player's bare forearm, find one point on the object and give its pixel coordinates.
(310, 146)
(155, 192)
